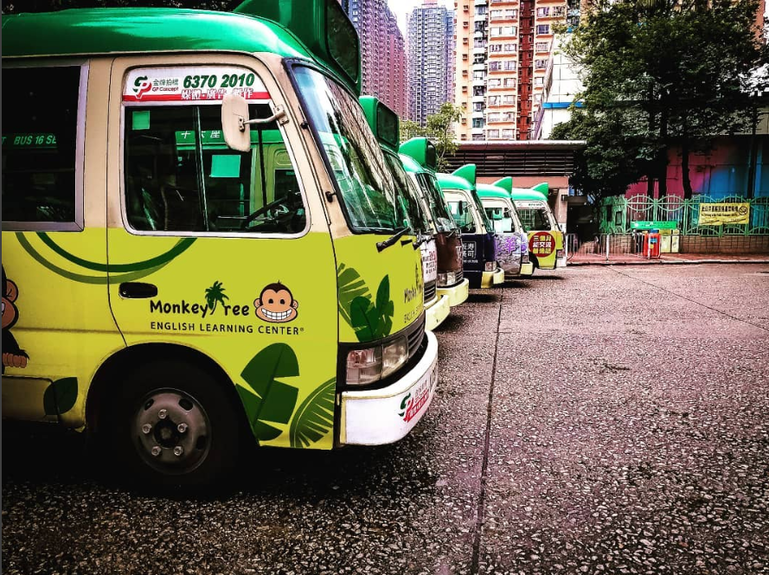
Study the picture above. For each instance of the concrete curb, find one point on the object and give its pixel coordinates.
(666, 262)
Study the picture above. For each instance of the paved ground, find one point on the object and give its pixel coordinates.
(591, 420)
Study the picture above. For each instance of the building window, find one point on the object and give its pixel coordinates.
(477, 122)
(543, 12)
(539, 81)
(513, 47)
(479, 75)
(478, 107)
(543, 28)
(492, 134)
(559, 10)
(507, 134)
(540, 64)
(542, 46)
(509, 65)
(479, 91)
(503, 31)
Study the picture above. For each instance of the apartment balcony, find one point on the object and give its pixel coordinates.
(478, 131)
(481, 3)
(478, 67)
(481, 98)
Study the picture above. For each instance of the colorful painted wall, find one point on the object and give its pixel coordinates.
(722, 172)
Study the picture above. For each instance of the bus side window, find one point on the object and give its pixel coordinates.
(39, 147)
(181, 176)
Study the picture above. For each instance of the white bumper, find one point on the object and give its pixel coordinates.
(436, 312)
(379, 416)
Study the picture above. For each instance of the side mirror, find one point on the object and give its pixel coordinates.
(234, 118)
(235, 121)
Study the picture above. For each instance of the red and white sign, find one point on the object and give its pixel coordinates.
(542, 244)
(192, 84)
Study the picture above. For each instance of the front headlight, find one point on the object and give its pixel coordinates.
(447, 279)
(394, 355)
(491, 266)
(364, 366)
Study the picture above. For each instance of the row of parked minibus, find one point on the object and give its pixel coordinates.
(212, 240)
(473, 234)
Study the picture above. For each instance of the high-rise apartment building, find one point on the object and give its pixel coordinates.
(383, 52)
(430, 58)
(502, 53)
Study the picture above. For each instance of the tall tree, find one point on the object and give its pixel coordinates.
(660, 74)
(440, 129)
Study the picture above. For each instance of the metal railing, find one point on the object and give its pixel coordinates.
(618, 213)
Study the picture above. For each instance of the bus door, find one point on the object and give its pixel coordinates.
(240, 270)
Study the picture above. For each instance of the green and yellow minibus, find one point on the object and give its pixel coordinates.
(386, 127)
(419, 157)
(180, 298)
(545, 237)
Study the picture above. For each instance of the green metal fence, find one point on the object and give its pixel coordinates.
(618, 214)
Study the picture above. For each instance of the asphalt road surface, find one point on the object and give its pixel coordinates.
(588, 420)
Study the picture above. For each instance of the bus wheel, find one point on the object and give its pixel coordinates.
(173, 426)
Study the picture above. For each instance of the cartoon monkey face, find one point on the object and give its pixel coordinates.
(276, 304)
(10, 313)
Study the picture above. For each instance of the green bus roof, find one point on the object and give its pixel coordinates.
(492, 191)
(382, 121)
(422, 150)
(468, 172)
(527, 194)
(449, 181)
(91, 31)
(505, 183)
(410, 164)
(541, 187)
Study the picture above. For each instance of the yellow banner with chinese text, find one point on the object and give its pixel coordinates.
(724, 213)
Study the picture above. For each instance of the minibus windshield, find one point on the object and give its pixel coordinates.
(479, 206)
(408, 195)
(534, 215)
(367, 189)
(441, 215)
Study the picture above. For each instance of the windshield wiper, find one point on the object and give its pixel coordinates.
(384, 244)
(422, 239)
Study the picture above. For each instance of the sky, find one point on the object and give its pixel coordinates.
(402, 8)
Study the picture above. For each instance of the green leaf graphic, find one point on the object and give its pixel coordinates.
(351, 286)
(385, 308)
(315, 416)
(60, 396)
(365, 320)
(272, 400)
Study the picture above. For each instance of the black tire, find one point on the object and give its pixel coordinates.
(189, 395)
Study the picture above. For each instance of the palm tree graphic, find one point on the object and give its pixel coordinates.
(215, 294)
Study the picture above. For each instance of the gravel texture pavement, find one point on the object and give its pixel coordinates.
(588, 420)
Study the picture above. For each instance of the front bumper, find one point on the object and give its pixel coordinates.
(490, 279)
(456, 294)
(437, 311)
(527, 269)
(379, 416)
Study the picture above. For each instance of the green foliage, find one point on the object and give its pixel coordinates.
(659, 74)
(272, 401)
(315, 416)
(60, 396)
(439, 129)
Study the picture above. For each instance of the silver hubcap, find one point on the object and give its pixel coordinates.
(172, 432)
